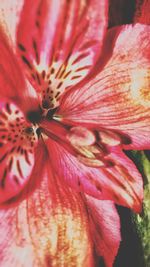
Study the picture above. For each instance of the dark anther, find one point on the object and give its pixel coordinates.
(38, 132)
(29, 130)
(45, 104)
(50, 113)
(34, 116)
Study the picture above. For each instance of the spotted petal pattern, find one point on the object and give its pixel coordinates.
(11, 77)
(59, 45)
(17, 143)
(12, 82)
(65, 41)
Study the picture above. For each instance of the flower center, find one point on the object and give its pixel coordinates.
(35, 116)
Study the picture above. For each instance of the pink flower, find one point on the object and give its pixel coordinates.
(73, 98)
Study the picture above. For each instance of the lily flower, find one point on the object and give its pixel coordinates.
(73, 98)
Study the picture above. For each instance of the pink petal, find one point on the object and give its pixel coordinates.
(17, 145)
(105, 228)
(12, 82)
(117, 98)
(59, 42)
(48, 228)
(9, 16)
(11, 78)
(121, 183)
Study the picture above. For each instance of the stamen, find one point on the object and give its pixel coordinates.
(29, 130)
(50, 113)
(38, 132)
(46, 104)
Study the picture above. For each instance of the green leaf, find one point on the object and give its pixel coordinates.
(142, 221)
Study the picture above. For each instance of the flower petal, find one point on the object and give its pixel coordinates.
(49, 228)
(17, 144)
(9, 16)
(117, 98)
(105, 228)
(12, 82)
(59, 42)
(121, 183)
(11, 78)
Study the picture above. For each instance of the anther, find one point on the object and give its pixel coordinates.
(38, 132)
(45, 104)
(50, 113)
(29, 130)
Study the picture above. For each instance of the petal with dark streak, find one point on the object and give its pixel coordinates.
(12, 82)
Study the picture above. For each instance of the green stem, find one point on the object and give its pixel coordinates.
(142, 221)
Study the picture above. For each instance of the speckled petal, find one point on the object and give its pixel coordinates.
(17, 144)
(59, 43)
(12, 82)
